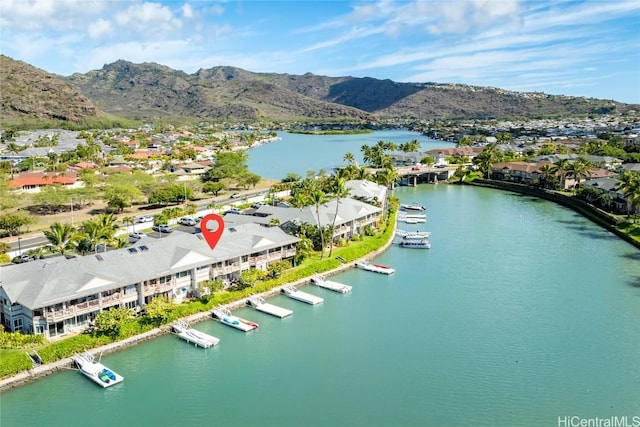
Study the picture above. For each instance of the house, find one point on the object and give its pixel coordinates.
(57, 296)
(519, 172)
(32, 181)
(353, 217)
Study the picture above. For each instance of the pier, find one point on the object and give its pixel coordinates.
(295, 294)
(193, 336)
(331, 285)
(260, 304)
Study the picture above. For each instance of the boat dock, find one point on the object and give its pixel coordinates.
(193, 336)
(331, 285)
(96, 371)
(293, 293)
(225, 317)
(412, 218)
(260, 304)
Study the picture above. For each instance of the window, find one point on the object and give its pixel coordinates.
(245, 258)
(17, 324)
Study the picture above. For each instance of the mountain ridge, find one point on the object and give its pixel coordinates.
(149, 91)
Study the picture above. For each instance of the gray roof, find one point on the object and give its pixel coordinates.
(45, 282)
(348, 210)
(605, 183)
(367, 190)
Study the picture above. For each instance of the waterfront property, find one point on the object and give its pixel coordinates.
(57, 296)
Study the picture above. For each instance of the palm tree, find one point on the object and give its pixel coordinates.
(579, 169)
(630, 187)
(60, 236)
(317, 197)
(548, 174)
(339, 191)
(561, 167)
(128, 220)
(387, 177)
(487, 158)
(351, 159)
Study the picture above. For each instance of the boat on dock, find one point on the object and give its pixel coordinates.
(96, 371)
(225, 317)
(411, 207)
(193, 336)
(376, 268)
(415, 244)
(322, 282)
(413, 234)
(295, 294)
(411, 218)
(260, 304)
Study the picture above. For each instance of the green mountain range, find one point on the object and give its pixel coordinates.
(151, 91)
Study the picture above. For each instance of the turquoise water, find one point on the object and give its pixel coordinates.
(521, 312)
(300, 153)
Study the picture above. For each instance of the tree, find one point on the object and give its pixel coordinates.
(60, 236)
(487, 158)
(210, 287)
(561, 167)
(339, 190)
(317, 197)
(412, 146)
(214, 187)
(630, 187)
(276, 268)
(549, 179)
(465, 141)
(13, 222)
(159, 310)
(110, 322)
(579, 169)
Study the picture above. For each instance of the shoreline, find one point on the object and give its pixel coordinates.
(47, 369)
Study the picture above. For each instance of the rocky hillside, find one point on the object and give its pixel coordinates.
(151, 91)
(148, 90)
(28, 93)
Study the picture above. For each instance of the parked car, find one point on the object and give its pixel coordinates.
(162, 228)
(145, 218)
(22, 258)
(234, 211)
(187, 221)
(137, 235)
(256, 205)
(235, 195)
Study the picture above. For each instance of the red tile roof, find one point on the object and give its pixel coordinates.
(27, 179)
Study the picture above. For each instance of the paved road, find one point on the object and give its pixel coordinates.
(23, 244)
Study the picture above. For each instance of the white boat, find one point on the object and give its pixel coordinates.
(413, 234)
(330, 284)
(376, 268)
(411, 218)
(96, 371)
(225, 317)
(295, 294)
(260, 304)
(194, 336)
(411, 207)
(415, 244)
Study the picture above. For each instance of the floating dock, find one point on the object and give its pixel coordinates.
(293, 293)
(376, 268)
(225, 317)
(260, 304)
(331, 285)
(193, 336)
(412, 218)
(96, 371)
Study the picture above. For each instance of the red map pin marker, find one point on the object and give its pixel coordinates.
(212, 236)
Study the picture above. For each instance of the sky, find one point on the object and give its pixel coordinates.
(578, 48)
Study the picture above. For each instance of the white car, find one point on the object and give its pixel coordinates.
(137, 235)
(187, 221)
(145, 218)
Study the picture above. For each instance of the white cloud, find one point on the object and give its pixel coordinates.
(99, 28)
(149, 20)
(187, 11)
